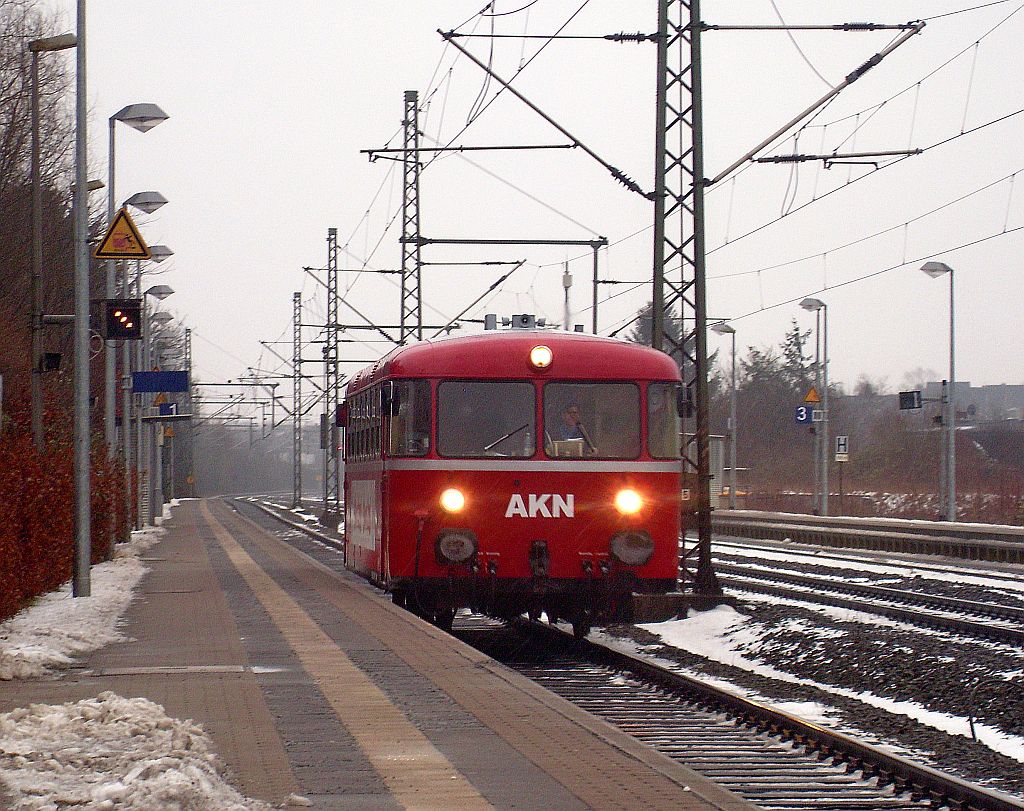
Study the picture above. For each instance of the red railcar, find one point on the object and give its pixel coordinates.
(515, 471)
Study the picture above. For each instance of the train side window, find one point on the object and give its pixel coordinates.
(361, 428)
(409, 433)
(477, 418)
(598, 420)
(663, 422)
(375, 418)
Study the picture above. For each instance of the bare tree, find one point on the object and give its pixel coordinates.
(22, 21)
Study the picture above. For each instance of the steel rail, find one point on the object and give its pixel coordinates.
(904, 775)
(964, 541)
(936, 601)
(999, 633)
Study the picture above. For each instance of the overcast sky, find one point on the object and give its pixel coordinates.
(271, 102)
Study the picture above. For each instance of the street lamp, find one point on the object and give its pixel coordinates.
(158, 253)
(934, 270)
(820, 310)
(141, 117)
(160, 292)
(723, 328)
(147, 201)
(37, 46)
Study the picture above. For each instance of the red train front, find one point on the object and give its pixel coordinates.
(515, 471)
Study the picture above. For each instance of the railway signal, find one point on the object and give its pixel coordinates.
(122, 319)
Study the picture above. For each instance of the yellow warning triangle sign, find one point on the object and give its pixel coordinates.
(122, 240)
(160, 399)
(812, 396)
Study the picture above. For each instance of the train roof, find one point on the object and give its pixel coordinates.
(505, 354)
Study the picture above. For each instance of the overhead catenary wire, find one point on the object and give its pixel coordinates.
(632, 319)
(915, 261)
(616, 242)
(810, 123)
(796, 45)
(1006, 178)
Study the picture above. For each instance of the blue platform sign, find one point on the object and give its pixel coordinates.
(156, 382)
(804, 414)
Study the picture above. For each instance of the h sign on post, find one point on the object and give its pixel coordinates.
(842, 449)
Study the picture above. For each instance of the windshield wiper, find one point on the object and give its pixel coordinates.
(509, 434)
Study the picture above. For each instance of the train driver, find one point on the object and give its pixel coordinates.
(571, 427)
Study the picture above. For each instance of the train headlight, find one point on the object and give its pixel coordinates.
(455, 546)
(628, 502)
(452, 500)
(540, 357)
(633, 548)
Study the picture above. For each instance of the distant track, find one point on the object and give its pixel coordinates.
(966, 541)
(821, 591)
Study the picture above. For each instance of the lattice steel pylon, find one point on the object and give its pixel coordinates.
(679, 246)
(296, 399)
(411, 318)
(332, 385)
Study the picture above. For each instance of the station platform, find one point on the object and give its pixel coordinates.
(311, 683)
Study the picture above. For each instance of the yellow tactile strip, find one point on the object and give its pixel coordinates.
(601, 765)
(415, 772)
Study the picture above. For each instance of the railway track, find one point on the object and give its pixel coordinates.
(776, 760)
(945, 613)
(771, 758)
(966, 541)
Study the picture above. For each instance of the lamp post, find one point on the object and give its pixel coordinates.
(723, 328)
(148, 202)
(934, 270)
(820, 310)
(141, 117)
(81, 576)
(158, 346)
(37, 46)
(158, 253)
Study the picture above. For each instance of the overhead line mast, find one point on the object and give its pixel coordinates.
(332, 388)
(679, 242)
(296, 399)
(411, 316)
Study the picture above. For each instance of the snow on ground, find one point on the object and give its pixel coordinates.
(57, 626)
(111, 752)
(722, 633)
(106, 752)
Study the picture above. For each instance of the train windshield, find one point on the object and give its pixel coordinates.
(663, 423)
(486, 418)
(599, 420)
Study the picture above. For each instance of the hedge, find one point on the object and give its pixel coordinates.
(37, 516)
